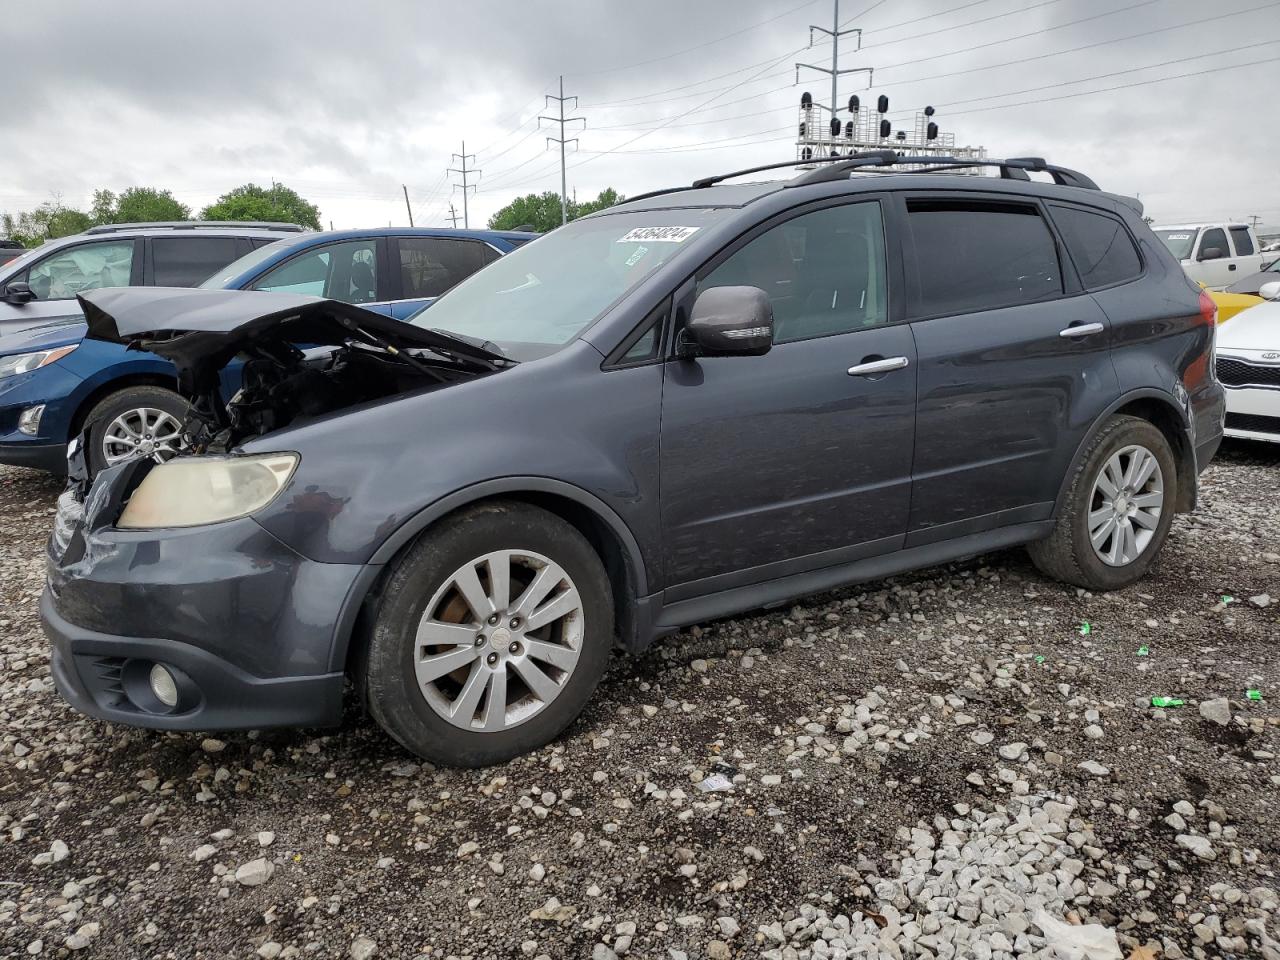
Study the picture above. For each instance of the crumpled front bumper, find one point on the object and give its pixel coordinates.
(245, 624)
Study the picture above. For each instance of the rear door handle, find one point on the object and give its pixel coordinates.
(873, 367)
(1081, 330)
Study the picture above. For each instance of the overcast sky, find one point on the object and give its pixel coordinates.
(347, 101)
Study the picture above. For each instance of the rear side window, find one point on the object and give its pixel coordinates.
(971, 257)
(1215, 239)
(1244, 243)
(187, 261)
(430, 265)
(1100, 246)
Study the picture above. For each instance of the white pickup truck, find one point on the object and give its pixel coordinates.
(1208, 256)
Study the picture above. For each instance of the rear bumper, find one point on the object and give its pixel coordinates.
(105, 676)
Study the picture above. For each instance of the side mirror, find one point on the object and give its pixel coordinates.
(1270, 290)
(18, 291)
(729, 321)
(1211, 253)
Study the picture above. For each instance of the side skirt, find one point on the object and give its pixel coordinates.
(657, 618)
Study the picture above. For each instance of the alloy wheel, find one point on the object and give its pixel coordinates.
(499, 640)
(1125, 508)
(142, 432)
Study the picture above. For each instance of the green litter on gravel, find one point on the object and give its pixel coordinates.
(1253, 694)
(1167, 702)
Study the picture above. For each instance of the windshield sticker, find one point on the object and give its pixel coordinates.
(1179, 236)
(658, 235)
(637, 256)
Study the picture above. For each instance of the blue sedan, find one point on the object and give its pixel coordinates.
(54, 384)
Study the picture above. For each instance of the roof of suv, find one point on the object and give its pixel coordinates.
(873, 170)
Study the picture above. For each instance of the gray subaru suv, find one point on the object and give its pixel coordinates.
(699, 402)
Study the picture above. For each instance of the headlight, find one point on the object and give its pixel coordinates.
(18, 363)
(190, 491)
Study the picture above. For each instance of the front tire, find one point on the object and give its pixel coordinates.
(490, 637)
(1118, 511)
(141, 421)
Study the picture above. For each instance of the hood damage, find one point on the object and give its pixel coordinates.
(302, 356)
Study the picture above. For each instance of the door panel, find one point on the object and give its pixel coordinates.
(1011, 372)
(765, 459)
(776, 464)
(1004, 401)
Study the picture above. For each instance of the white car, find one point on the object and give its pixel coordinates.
(1248, 364)
(1208, 256)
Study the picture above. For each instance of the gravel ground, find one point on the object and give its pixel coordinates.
(941, 765)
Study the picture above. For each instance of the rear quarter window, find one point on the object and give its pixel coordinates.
(1099, 246)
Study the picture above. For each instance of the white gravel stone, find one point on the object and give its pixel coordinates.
(255, 872)
(1218, 711)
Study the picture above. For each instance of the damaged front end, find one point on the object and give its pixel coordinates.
(299, 357)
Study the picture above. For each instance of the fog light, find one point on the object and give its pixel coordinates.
(164, 686)
(29, 420)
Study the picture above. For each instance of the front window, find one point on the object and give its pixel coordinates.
(539, 297)
(1178, 242)
(344, 271)
(85, 266)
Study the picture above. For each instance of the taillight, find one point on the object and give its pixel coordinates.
(1208, 309)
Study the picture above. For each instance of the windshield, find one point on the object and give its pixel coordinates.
(1179, 242)
(250, 260)
(537, 298)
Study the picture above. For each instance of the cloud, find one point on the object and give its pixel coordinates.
(348, 101)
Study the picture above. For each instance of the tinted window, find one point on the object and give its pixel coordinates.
(344, 271)
(1099, 245)
(823, 272)
(1214, 238)
(85, 266)
(971, 257)
(1244, 243)
(429, 265)
(186, 261)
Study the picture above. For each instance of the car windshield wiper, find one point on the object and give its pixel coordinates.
(488, 346)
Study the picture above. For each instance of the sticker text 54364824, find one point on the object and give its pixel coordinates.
(658, 235)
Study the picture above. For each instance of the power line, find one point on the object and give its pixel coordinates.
(1122, 86)
(700, 46)
(562, 120)
(463, 157)
(717, 96)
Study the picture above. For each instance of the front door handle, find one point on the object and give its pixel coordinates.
(872, 368)
(1081, 330)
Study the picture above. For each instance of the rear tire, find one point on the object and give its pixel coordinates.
(153, 413)
(1117, 512)
(469, 687)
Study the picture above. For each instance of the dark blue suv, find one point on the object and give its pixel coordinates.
(692, 404)
(54, 384)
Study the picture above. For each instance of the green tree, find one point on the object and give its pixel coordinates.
(48, 221)
(538, 210)
(252, 202)
(608, 197)
(542, 210)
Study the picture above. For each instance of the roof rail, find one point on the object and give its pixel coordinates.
(199, 225)
(1015, 168)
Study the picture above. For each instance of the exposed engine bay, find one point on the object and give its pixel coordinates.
(298, 357)
(282, 384)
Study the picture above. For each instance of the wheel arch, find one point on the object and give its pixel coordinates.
(138, 378)
(1163, 412)
(607, 533)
